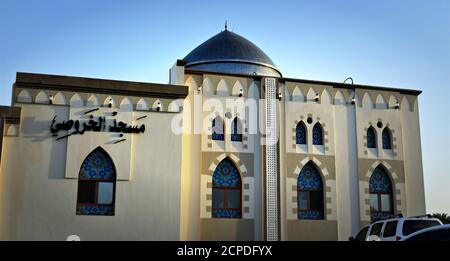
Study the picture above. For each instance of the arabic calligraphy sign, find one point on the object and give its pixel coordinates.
(76, 127)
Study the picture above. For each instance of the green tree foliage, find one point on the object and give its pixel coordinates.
(443, 217)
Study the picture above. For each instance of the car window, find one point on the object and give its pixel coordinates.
(436, 235)
(390, 229)
(362, 234)
(411, 226)
(376, 229)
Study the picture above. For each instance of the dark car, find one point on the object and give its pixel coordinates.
(438, 233)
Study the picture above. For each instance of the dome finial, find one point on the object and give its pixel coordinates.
(226, 26)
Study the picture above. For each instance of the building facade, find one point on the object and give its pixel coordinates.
(228, 150)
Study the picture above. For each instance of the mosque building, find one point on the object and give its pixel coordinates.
(228, 150)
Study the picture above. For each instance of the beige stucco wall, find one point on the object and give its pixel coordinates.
(218, 96)
(312, 230)
(227, 229)
(38, 198)
(412, 155)
(345, 138)
(164, 180)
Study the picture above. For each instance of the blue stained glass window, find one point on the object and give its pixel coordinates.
(236, 135)
(97, 165)
(380, 181)
(217, 129)
(96, 185)
(310, 193)
(226, 198)
(300, 133)
(380, 189)
(386, 137)
(310, 214)
(371, 138)
(317, 134)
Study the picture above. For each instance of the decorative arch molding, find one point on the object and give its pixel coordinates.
(339, 98)
(222, 89)
(97, 176)
(126, 104)
(24, 96)
(406, 104)
(309, 131)
(158, 103)
(247, 186)
(207, 87)
(142, 105)
(301, 134)
(238, 88)
(175, 105)
(59, 99)
(297, 95)
(325, 98)
(329, 188)
(12, 130)
(110, 102)
(317, 163)
(386, 166)
(398, 189)
(76, 101)
(379, 138)
(380, 102)
(253, 91)
(311, 95)
(42, 98)
(192, 84)
(93, 101)
(234, 158)
(285, 92)
(392, 101)
(367, 101)
(217, 128)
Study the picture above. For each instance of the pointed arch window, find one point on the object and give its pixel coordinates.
(380, 189)
(300, 133)
(310, 193)
(236, 134)
(218, 129)
(96, 185)
(226, 191)
(317, 134)
(371, 138)
(386, 137)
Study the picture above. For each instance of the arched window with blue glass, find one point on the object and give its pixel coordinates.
(380, 189)
(386, 137)
(236, 134)
(300, 133)
(218, 128)
(317, 134)
(310, 193)
(226, 190)
(96, 185)
(371, 138)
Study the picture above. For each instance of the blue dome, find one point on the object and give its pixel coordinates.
(227, 52)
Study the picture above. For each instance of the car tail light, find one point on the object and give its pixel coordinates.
(397, 238)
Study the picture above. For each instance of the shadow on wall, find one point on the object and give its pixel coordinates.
(57, 164)
(38, 131)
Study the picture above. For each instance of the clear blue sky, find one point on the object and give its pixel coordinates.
(384, 42)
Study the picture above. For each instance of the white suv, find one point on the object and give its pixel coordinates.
(395, 229)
